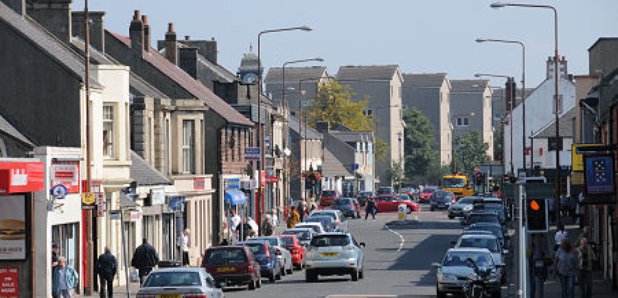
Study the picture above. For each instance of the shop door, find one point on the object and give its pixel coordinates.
(67, 238)
(167, 252)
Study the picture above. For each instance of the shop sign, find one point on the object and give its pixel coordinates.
(272, 179)
(252, 153)
(135, 216)
(101, 204)
(199, 183)
(21, 176)
(13, 227)
(577, 158)
(157, 196)
(599, 175)
(232, 183)
(9, 282)
(67, 174)
(88, 200)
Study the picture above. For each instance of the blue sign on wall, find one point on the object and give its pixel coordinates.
(599, 174)
(252, 153)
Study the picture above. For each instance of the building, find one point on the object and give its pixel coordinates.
(381, 87)
(306, 159)
(301, 85)
(430, 93)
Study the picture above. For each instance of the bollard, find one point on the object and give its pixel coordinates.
(402, 213)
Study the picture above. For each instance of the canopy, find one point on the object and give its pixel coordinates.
(235, 197)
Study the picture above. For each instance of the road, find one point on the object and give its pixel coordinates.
(398, 261)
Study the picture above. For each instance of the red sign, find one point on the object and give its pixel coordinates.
(21, 176)
(263, 178)
(67, 174)
(9, 285)
(199, 183)
(272, 179)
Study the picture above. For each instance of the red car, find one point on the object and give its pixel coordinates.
(426, 194)
(296, 249)
(389, 203)
(232, 265)
(327, 197)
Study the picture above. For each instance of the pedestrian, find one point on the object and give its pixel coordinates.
(275, 217)
(55, 255)
(580, 210)
(144, 259)
(302, 209)
(255, 229)
(64, 279)
(243, 230)
(371, 208)
(234, 222)
(185, 247)
(565, 266)
(586, 259)
(107, 266)
(293, 218)
(267, 226)
(559, 236)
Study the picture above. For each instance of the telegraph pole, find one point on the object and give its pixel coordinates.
(89, 223)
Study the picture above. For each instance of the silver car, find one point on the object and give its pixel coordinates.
(285, 258)
(304, 235)
(492, 243)
(182, 281)
(334, 254)
(462, 207)
(341, 223)
(453, 272)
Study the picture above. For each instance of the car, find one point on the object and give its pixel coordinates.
(327, 197)
(492, 244)
(341, 223)
(475, 232)
(476, 217)
(385, 190)
(285, 257)
(232, 265)
(297, 250)
(404, 197)
(327, 222)
(453, 272)
(363, 196)
(461, 207)
(304, 235)
(266, 257)
(441, 200)
(494, 228)
(348, 206)
(315, 226)
(334, 254)
(497, 209)
(389, 203)
(179, 282)
(426, 193)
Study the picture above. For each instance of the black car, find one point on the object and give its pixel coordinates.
(441, 200)
(347, 206)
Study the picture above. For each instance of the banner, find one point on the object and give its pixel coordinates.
(13, 227)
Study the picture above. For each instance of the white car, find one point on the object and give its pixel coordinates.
(316, 226)
(176, 282)
(334, 254)
(341, 223)
(285, 259)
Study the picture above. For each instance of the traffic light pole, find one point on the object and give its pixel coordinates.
(520, 231)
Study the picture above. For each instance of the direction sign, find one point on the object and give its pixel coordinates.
(252, 153)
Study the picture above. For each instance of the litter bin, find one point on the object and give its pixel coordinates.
(169, 263)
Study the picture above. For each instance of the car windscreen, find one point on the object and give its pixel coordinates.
(429, 190)
(441, 196)
(225, 256)
(302, 235)
(466, 200)
(342, 202)
(474, 218)
(328, 193)
(270, 241)
(330, 240)
(322, 214)
(172, 279)
(256, 248)
(313, 227)
(496, 230)
(488, 243)
(287, 240)
(458, 258)
(452, 182)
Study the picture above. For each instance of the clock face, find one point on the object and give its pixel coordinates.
(250, 78)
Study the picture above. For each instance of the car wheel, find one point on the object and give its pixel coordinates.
(451, 217)
(282, 271)
(310, 276)
(409, 209)
(431, 209)
(361, 274)
(440, 294)
(258, 283)
(354, 275)
(252, 285)
(298, 267)
(290, 271)
(496, 294)
(278, 276)
(271, 278)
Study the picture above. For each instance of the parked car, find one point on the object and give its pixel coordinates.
(285, 257)
(461, 207)
(180, 282)
(315, 226)
(385, 190)
(334, 254)
(363, 196)
(426, 193)
(304, 235)
(327, 197)
(232, 265)
(327, 222)
(477, 217)
(453, 272)
(491, 243)
(441, 200)
(348, 206)
(297, 250)
(266, 257)
(493, 228)
(341, 223)
(404, 197)
(389, 203)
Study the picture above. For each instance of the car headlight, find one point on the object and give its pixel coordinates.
(467, 208)
(446, 278)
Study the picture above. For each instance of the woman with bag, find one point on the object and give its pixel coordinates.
(565, 266)
(64, 279)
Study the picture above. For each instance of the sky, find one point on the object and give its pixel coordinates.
(419, 36)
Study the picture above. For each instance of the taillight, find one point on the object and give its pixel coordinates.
(250, 268)
(337, 223)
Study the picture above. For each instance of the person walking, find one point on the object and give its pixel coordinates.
(144, 259)
(64, 279)
(185, 247)
(302, 209)
(243, 230)
(293, 219)
(586, 259)
(55, 255)
(560, 235)
(275, 217)
(267, 226)
(565, 265)
(371, 208)
(234, 223)
(107, 266)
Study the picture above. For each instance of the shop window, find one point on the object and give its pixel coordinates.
(67, 238)
(108, 131)
(188, 147)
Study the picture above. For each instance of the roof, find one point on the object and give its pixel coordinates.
(311, 133)
(424, 79)
(332, 166)
(294, 74)
(600, 39)
(190, 84)
(223, 75)
(469, 86)
(46, 42)
(566, 126)
(371, 72)
(10, 130)
(352, 136)
(145, 174)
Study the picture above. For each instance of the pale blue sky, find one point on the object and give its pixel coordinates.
(420, 36)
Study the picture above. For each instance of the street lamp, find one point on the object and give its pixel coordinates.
(260, 130)
(523, 91)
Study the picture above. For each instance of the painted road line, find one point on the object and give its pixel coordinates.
(403, 240)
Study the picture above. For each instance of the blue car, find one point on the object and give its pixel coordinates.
(266, 257)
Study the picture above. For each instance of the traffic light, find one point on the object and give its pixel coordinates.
(479, 178)
(536, 216)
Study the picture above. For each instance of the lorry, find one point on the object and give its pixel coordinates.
(458, 184)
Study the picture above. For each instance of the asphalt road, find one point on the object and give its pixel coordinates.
(397, 261)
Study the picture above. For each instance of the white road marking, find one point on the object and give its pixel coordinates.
(403, 240)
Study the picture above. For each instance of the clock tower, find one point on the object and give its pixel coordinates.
(248, 71)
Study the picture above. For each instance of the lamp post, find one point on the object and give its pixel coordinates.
(523, 92)
(260, 130)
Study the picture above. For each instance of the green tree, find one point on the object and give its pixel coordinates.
(380, 148)
(469, 151)
(333, 104)
(420, 151)
(395, 174)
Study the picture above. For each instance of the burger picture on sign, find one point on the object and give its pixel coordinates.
(12, 228)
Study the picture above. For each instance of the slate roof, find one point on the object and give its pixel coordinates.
(469, 86)
(312, 134)
(46, 42)
(10, 130)
(371, 72)
(352, 136)
(294, 74)
(145, 174)
(190, 84)
(566, 126)
(424, 79)
(332, 167)
(224, 75)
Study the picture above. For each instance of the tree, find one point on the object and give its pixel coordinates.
(469, 151)
(395, 174)
(333, 104)
(420, 151)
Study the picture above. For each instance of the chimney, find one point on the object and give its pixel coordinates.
(54, 15)
(97, 30)
(19, 6)
(146, 33)
(136, 33)
(187, 60)
(187, 37)
(171, 49)
(322, 126)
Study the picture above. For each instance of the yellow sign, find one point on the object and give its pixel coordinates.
(88, 198)
(577, 160)
(577, 178)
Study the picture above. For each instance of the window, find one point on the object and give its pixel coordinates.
(462, 121)
(188, 147)
(108, 131)
(369, 113)
(166, 149)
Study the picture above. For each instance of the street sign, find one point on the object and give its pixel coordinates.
(267, 141)
(59, 191)
(577, 154)
(232, 183)
(252, 153)
(354, 166)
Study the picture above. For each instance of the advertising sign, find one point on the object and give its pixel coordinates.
(199, 183)
(252, 153)
(88, 200)
(20, 176)
(599, 175)
(232, 183)
(9, 282)
(577, 158)
(158, 196)
(67, 174)
(13, 227)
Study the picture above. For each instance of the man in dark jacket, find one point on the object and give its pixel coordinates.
(144, 259)
(107, 266)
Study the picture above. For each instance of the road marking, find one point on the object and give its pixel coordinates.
(403, 240)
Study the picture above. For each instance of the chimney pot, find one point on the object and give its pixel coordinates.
(170, 28)
(145, 19)
(187, 37)
(136, 15)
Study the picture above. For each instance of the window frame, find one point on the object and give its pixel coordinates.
(188, 146)
(109, 146)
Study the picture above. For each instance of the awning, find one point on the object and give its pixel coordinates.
(235, 197)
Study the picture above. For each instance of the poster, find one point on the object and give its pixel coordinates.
(13, 227)
(9, 283)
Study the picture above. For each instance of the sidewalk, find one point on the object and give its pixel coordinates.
(118, 291)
